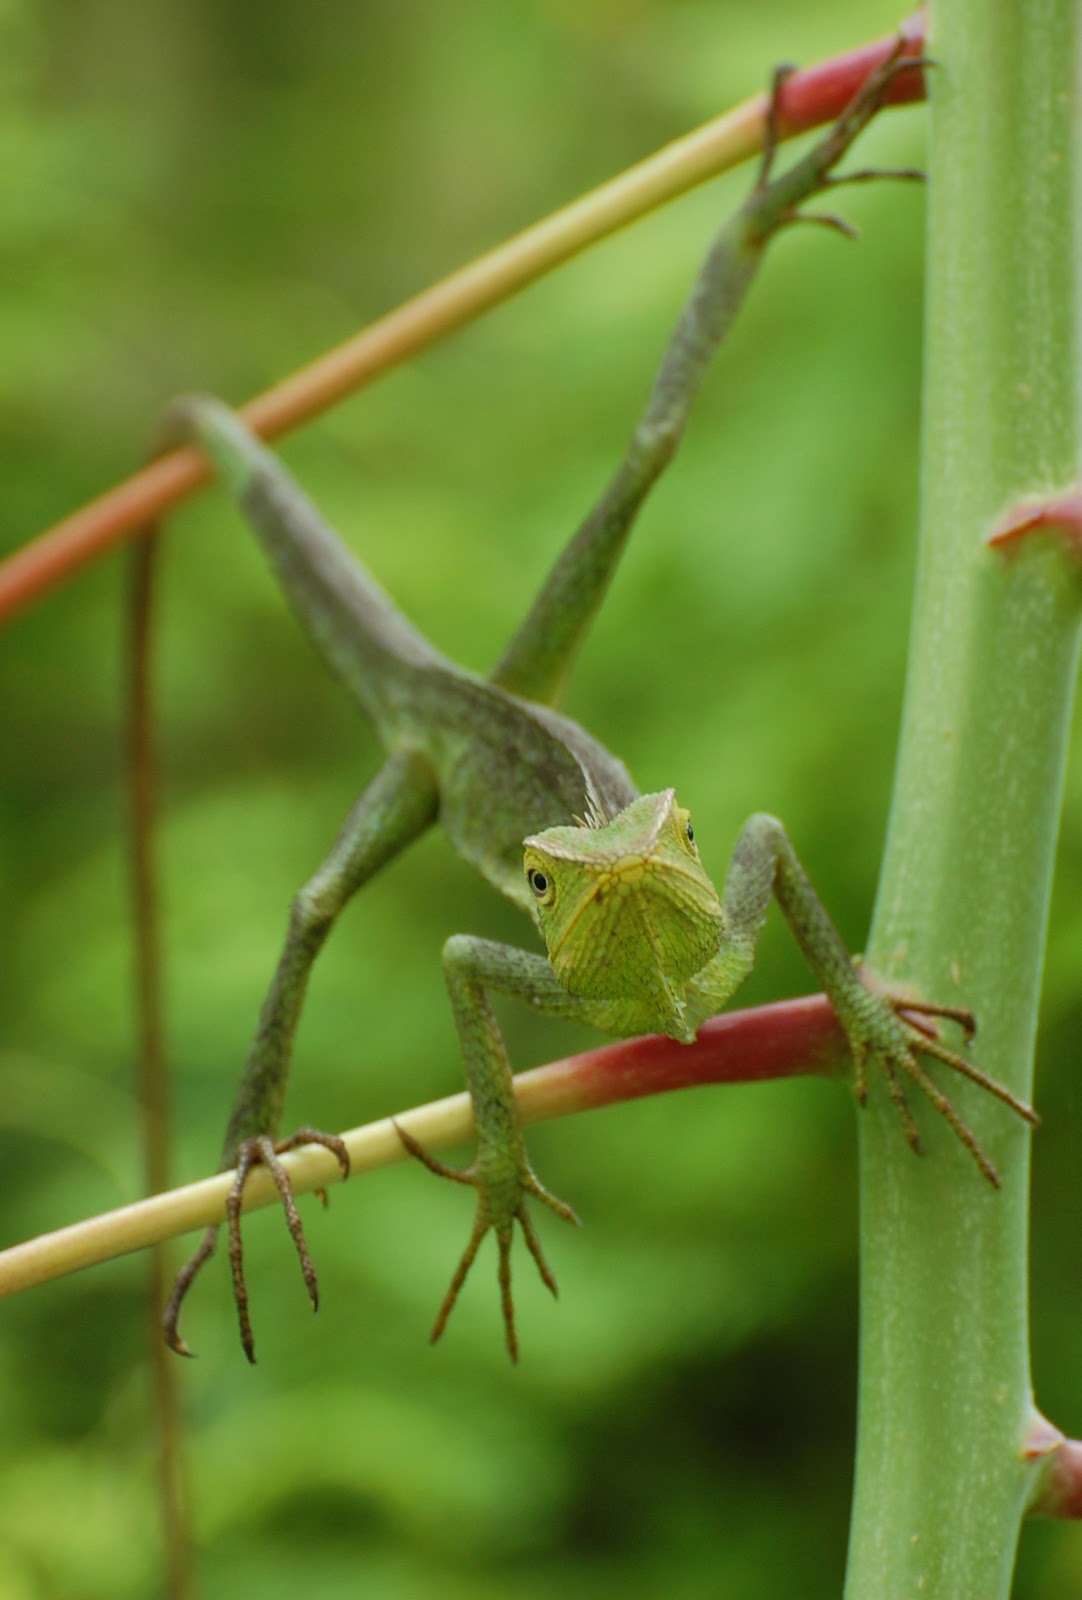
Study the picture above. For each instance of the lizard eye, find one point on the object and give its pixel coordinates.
(690, 831)
(538, 882)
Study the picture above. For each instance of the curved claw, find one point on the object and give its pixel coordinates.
(823, 219)
(498, 1217)
(901, 1102)
(771, 132)
(329, 1141)
(872, 174)
(183, 1282)
(925, 1008)
(440, 1168)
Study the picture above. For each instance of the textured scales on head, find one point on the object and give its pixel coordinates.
(625, 906)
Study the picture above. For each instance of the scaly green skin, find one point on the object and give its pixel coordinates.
(638, 939)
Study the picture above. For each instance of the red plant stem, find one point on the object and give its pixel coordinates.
(783, 1040)
(818, 94)
(809, 99)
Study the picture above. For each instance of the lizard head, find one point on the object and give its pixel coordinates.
(626, 908)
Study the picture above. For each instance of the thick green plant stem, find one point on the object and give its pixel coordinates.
(941, 1485)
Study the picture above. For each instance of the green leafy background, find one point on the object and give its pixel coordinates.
(205, 196)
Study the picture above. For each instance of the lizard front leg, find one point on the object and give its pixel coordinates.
(397, 805)
(883, 1029)
(500, 1172)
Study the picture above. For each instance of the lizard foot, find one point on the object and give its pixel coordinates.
(832, 147)
(893, 1032)
(259, 1151)
(501, 1202)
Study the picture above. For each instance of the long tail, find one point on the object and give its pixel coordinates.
(356, 627)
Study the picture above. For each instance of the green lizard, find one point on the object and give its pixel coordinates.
(638, 939)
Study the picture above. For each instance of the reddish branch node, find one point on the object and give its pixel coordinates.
(1059, 1464)
(1059, 515)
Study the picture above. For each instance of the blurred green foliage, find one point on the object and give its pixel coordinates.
(205, 196)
